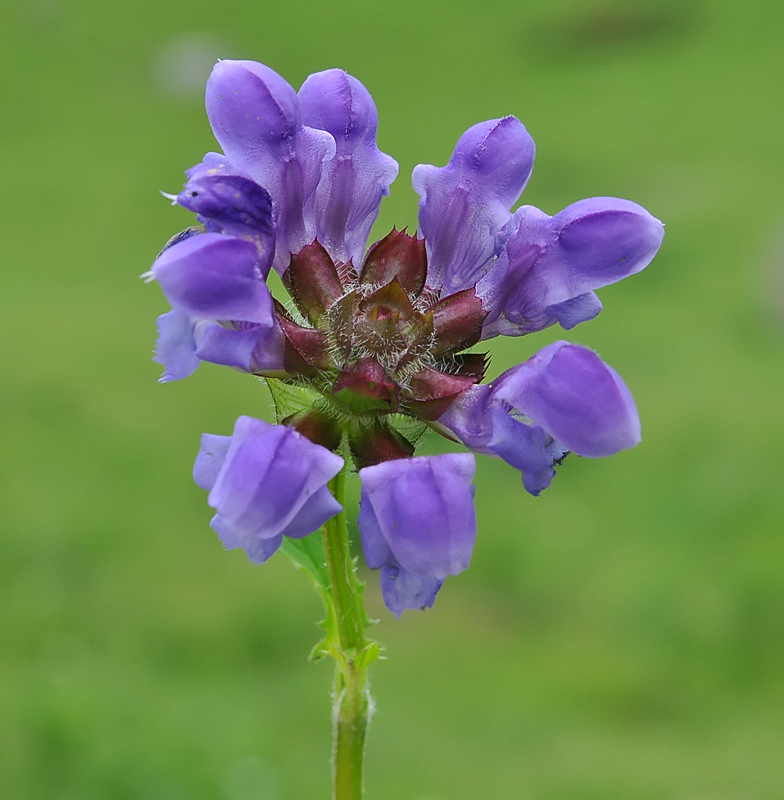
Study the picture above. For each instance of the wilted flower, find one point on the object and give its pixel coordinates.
(377, 339)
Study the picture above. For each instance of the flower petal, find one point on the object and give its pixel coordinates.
(374, 545)
(550, 265)
(466, 203)
(354, 181)
(484, 424)
(268, 483)
(246, 346)
(257, 550)
(255, 116)
(231, 203)
(424, 509)
(563, 399)
(572, 312)
(209, 461)
(229, 346)
(470, 418)
(214, 276)
(402, 589)
(176, 346)
(318, 508)
(575, 397)
(526, 447)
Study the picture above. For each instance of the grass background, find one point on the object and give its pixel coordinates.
(620, 637)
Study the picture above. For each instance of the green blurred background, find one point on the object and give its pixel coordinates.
(621, 636)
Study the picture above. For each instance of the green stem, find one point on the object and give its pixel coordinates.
(352, 652)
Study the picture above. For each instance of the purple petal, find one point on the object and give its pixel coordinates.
(216, 277)
(215, 160)
(255, 116)
(209, 461)
(245, 346)
(374, 545)
(572, 312)
(402, 589)
(483, 423)
(550, 262)
(269, 475)
(176, 345)
(523, 446)
(318, 508)
(602, 240)
(575, 397)
(231, 203)
(230, 347)
(269, 353)
(257, 550)
(354, 181)
(563, 399)
(470, 418)
(424, 509)
(465, 204)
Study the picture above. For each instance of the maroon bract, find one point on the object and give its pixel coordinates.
(374, 345)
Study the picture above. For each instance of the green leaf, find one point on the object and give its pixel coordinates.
(307, 554)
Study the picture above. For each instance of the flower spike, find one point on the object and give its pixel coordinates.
(374, 346)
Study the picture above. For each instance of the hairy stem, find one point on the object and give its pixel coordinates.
(352, 654)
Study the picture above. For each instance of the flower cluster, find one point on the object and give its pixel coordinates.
(377, 339)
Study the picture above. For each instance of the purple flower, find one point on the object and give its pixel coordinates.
(256, 118)
(265, 481)
(178, 340)
(550, 266)
(466, 203)
(349, 193)
(564, 399)
(214, 276)
(222, 310)
(372, 336)
(417, 522)
(225, 201)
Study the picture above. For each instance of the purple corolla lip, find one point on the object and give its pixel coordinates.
(549, 267)
(349, 194)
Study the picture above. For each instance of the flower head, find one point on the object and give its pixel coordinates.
(374, 339)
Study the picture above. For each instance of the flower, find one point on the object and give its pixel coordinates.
(417, 522)
(564, 399)
(374, 339)
(266, 481)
